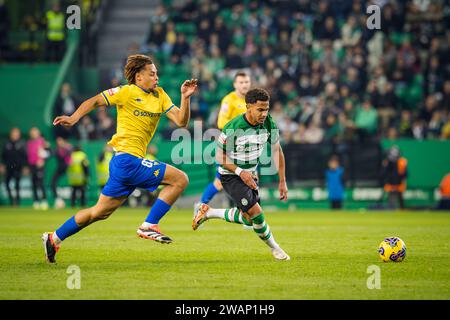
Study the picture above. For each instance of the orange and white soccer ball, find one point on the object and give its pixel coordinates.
(392, 249)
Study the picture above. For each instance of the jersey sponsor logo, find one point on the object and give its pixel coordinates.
(242, 148)
(140, 113)
(253, 138)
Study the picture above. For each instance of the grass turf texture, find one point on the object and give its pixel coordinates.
(330, 254)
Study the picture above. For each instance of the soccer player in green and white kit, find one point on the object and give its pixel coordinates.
(238, 153)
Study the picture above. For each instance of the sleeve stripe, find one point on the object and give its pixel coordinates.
(169, 109)
(106, 99)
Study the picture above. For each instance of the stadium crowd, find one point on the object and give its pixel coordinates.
(331, 78)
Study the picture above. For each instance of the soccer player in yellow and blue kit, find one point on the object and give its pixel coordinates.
(140, 104)
(232, 105)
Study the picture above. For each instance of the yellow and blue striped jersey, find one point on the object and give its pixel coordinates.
(138, 114)
(231, 106)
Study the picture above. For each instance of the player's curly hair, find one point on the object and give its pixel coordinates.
(135, 63)
(256, 94)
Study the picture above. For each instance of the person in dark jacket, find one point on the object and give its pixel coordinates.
(14, 157)
(62, 153)
(394, 176)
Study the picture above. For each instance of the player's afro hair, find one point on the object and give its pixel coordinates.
(256, 94)
(135, 63)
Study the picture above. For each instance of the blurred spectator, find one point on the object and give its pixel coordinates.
(299, 135)
(63, 153)
(56, 26)
(4, 30)
(394, 176)
(37, 152)
(351, 32)
(86, 129)
(156, 38)
(445, 100)
(328, 31)
(286, 124)
(404, 124)
(444, 189)
(434, 76)
(66, 104)
(102, 166)
(105, 127)
(445, 133)
(313, 133)
(386, 102)
(181, 48)
(332, 128)
(435, 125)
(418, 129)
(78, 174)
(392, 133)
(426, 113)
(170, 39)
(14, 158)
(234, 59)
(366, 120)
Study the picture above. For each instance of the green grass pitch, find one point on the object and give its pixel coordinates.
(330, 253)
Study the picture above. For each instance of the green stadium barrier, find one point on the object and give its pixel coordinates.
(354, 198)
(428, 162)
(23, 95)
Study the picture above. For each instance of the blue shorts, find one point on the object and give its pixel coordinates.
(127, 172)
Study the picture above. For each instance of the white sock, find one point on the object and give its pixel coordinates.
(271, 242)
(216, 213)
(147, 224)
(56, 240)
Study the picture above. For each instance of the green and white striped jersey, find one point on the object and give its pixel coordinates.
(244, 143)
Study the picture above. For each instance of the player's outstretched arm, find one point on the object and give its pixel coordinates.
(180, 116)
(86, 107)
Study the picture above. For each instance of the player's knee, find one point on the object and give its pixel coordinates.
(218, 184)
(182, 180)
